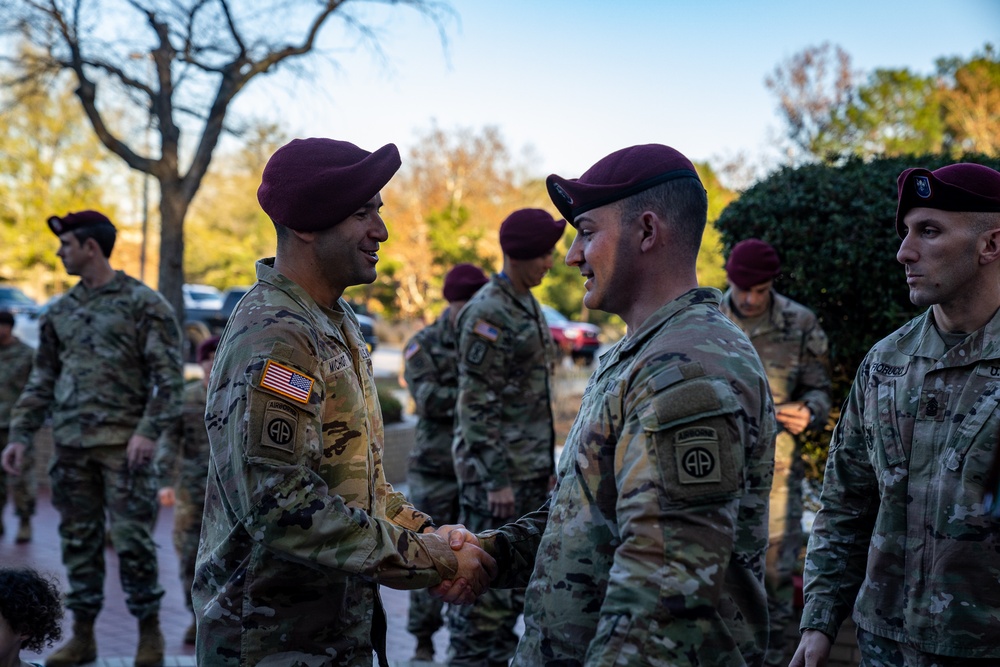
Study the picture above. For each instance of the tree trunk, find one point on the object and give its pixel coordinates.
(173, 209)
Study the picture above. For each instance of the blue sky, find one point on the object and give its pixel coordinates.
(572, 81)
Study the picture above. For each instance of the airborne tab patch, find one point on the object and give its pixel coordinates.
(286, 381)
(280, 424)
(487, 330)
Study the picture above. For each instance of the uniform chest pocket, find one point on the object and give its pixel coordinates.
(979, 425)
(884, 431)
(694, 442)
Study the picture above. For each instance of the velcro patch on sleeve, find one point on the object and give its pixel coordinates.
(697, 452)
(486, 330)
(280, 425)
(477, 353)
(411, 350)
(286, 381)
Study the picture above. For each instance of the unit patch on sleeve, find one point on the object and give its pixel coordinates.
(477, 352)
(697, 451)
(286, 381)
(486, 330)
(280, 424)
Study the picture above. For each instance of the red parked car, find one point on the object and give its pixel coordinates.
(580, 340)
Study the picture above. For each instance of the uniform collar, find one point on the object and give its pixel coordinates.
(266, 273)
(653, 323)
(923, 340)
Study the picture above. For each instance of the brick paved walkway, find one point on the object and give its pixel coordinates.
(117, 631)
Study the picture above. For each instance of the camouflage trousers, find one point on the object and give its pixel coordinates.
(187, 532)
(878, 651)
(437, 496)
(89, 487)
(482, 634)
(784, 542)
(23, 487)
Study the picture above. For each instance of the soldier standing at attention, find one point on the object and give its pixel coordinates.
(431, 372)
(651, 551)
(793, 349)
(903, 536)
(183, 485)
(504, 438)
(108, 368)
(300, 523)
(15, 367)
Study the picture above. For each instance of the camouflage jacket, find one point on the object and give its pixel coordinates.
(794, 351)
(903, 535)
(431, 372)
(15, 366)
(186, 439)
(654, 542)
(503, 422)
(300, 525)
(108, 366)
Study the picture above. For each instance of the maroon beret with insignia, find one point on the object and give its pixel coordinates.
(207, 347)
(313, 184)
(463, 281)
(963, 187)
(622, 174)
(71, 221)
(751, 263)
(529, 233)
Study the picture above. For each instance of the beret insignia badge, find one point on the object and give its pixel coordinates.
(923, 185)
(562, 193)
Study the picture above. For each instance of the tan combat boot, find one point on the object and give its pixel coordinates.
(79, 650)
(150, 651)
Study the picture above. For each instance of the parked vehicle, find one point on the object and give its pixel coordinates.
(580, 340)
(201, 324)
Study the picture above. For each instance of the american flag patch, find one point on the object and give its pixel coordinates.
(411, 350)
(286, 382)
(487, 330)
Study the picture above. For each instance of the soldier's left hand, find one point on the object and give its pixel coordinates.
(795, 417)
(139, 451)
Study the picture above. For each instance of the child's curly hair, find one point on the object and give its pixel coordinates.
(32, 606)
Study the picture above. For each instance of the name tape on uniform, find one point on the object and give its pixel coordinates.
(286, 381)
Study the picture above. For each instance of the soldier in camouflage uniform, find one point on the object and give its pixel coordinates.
(504, 438)
(182, 483)
(15, 366)
(903, 536)
(108, 368)
(431, 373)
(793, 348)
(651, 551)
(300, 524)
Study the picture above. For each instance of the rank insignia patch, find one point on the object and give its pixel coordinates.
(287, 382)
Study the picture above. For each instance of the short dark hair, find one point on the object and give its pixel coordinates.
(103, 235)
(32, 606)
(682, 201)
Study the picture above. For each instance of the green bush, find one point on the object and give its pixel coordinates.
(834, 228)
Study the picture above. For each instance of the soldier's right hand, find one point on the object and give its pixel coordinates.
(476, 569)
(12, 458)
(813, 650)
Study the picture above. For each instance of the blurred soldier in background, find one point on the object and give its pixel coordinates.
(108, 368)
(15, 366)
(504, 439)
(793, 349)
(182, 462)
(431, 373)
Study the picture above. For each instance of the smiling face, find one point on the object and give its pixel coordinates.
(601, 251)
(940, 253)
(348, 251)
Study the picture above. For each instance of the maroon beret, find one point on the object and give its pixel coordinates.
(313, 184)
(463, 281)
(206, 347)
(622, 174)
(71, 221)
(751, 263)
(963, 187)
(529, 233)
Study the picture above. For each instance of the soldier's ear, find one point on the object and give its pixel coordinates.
(990, 246)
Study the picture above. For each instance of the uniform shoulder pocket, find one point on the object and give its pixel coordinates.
(693, 439)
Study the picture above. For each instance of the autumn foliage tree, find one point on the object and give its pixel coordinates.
(176, 65)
